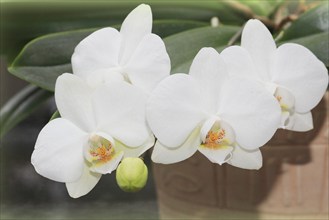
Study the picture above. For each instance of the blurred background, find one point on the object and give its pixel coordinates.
(25, 109)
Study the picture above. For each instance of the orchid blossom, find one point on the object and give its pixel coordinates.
(98, 127)
(134, 54)
(226, 119)
(290, 72)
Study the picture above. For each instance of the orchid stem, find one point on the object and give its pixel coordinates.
(235, 37)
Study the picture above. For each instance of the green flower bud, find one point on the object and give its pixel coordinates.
(131, 174)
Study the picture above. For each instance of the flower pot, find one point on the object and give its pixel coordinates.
(292, 184)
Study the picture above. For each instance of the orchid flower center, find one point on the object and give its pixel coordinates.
(287, 104)
(99, 150)
(219, 136)
(215, 138)
(218, 140)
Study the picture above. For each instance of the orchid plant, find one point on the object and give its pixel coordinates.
(121, 100)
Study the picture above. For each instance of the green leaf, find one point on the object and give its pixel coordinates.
(312, 22)
(22, 21)
(45, 58)
(183, 47)
(21, 106)
(42, 60)
(55, 115)
(166, 28)
(263, 8)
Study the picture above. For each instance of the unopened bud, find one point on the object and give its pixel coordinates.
(131, 174)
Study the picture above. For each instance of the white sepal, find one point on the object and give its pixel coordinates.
(99, 50)
(84, 184)
(258, 40)
(136, 25)
(165, 155)
(246, 159)
(73, 101)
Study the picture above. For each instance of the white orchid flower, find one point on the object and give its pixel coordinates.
(97, 128)
(290, 72)
(134, 54)
(226, 119)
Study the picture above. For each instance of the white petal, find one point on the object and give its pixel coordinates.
(137, 24)
(174, 109)
(84, 184)
(296, 68)
(58, 153)
(136, 151)
(120, 112)
(218, 156)
(252, 112)
(300, 122)
(149, 63)
(210, 71)
(165, 155)
(73, 100)
(239, 63)
(100, 50)
(246, 159)
(258, 41)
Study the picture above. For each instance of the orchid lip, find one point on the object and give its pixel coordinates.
(287, 103)
(218, 140)
(217, 134)
(99, 151)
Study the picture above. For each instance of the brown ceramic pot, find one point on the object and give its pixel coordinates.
(292, 184)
